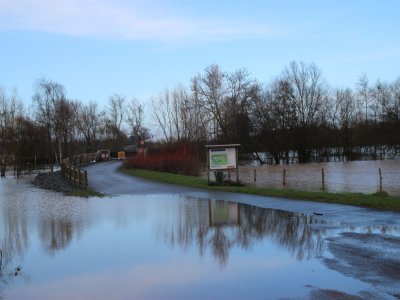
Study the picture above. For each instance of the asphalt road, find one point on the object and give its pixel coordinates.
(105, 177)
(367, 246)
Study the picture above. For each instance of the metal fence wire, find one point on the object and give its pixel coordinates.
(366, 176)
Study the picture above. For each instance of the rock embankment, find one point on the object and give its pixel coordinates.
(53, 181)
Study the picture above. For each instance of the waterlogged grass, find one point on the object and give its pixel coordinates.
(380, 200)
(86, 193)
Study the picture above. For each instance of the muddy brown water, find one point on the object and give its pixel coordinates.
(357, 176)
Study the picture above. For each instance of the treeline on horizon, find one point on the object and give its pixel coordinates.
(297, 117)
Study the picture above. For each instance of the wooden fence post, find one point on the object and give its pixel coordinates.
(323, 178)
(80, 178)
(284, 177)
(76, 175)
(380, 180)
(71, 171)
(255, 176)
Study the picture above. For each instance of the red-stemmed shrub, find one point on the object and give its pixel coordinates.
(176, 158)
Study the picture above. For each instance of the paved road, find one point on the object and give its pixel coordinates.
(106, 178)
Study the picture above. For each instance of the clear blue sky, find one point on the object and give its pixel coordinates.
(96, 48)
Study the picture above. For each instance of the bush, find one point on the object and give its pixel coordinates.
(177, 158)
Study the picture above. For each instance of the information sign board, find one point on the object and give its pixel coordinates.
(222, 158)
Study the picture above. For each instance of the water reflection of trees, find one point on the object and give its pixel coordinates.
(220, 226)
(14, 241)
(56, 234)
(57, 224)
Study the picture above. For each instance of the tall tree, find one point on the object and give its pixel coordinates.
(346, 115)
(210, 88)
(115, 118)
(162, 112)
(226, 99)
(363, 90)
(309, 96)
(135, 120)
(88, 123)
(47, 98)
(10, 111)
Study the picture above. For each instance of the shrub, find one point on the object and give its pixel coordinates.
(176, 158)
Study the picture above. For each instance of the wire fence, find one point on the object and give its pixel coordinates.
(28, 169)
(365, 177)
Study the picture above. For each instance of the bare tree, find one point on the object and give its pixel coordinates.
(161, 112)
(241, 92)
(387, 107)
(180, 112)
(116, 110)
(363, 90)
(88, 122)
(48, 95)
(309, 96)
(64, 126)
(226, 99)
(202, 123)
(10, 111)
(273, 118)
(381, 95)
(392, 106)
(345, 116)
(135, 120)
(211, 91)
(115, 118)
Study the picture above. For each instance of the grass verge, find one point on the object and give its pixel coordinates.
(376, 200)
(86, 193)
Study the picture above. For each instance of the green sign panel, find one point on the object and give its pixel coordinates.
(222, 158)
(219, 159)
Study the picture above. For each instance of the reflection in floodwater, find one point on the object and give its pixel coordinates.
(221, 226)
(14, 241)
(55, 234)
(23, 213)
(121, 235)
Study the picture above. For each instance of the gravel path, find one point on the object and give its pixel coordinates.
(53, 181)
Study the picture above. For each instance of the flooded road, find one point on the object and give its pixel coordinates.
(170, 243)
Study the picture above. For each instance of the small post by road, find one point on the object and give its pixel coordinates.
(255, 176)
(284, 177)
(323, 178)
(380, 180)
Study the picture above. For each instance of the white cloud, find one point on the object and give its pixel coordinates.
(122, 19)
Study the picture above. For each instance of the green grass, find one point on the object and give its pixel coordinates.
(380, 200)
(86, 193)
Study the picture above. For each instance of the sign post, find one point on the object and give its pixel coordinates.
(222, 159)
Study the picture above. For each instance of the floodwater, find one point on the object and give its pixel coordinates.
(354, 176)
(165, 246)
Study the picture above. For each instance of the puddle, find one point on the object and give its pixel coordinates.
(168, 247)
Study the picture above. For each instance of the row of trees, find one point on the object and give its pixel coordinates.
(296, 117)
(60, 127)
